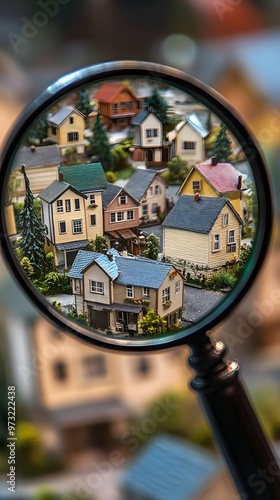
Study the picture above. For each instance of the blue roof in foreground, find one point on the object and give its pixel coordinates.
(134, 271)
(168, 469)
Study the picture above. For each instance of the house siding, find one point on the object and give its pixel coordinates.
(39, 177)
(151, 122)
(68, 217)
(205, 190)
(120, 294)
(176, 298)
(187, 133)
(92, 231)
(95, 273)
(151, 198)
(220, 258)
(115, 207)
(185, 245)
(66, 127)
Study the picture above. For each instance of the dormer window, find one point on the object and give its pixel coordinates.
(122, 200)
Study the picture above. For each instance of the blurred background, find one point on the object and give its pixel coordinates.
(90, 423)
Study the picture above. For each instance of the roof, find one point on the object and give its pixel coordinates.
(110, 193)
(56, 189)
(41, 156)
(140, 181)
(144, 113)
(108, 91)
(85, 177)
(71, 245)
(61, 115)
(195, 123)
(134, 271)
(223, 177)
(169, 468)
(196, 216)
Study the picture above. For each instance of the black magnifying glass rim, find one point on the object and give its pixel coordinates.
(227, 114)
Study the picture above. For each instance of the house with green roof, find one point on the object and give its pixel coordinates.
(116, 291)
(72, 210)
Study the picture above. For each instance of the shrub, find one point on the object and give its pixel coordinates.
(53, 283)
(221, 279)
(82, 317)
(111, 176)
(27, 267)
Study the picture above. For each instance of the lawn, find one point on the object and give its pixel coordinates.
(125, 173)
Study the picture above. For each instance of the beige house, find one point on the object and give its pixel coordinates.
(188, 140)
(149, 188)
(41, 166)
(147, 131)
(203, 231)
(116, 291)
(66, 129)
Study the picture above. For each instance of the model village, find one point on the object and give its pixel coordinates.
(123, 198)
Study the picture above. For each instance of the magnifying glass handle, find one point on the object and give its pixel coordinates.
(238, 433)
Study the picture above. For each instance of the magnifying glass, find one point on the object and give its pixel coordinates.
(82, 232)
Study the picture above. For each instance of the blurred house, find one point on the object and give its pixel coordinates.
(188, 140)
(66, 129)
(117, 104)
(147, 131)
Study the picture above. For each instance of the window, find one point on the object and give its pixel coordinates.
(77, 204)
(165, 294)
(54, 130)
(97, 287)
(94, 366)
(151, 132)
(129, 291)
(92, 199)
(157, 190)
(196, 185)
(122, 200)
(231, 236)
(113, 217)
(225, 220)
(145, 210)
(73, 136)
(68, 205)
(130, 104)
(77, 226)
(92, 220)
(130, 215)
(115, 107)
(123, 105)
(120, 216)
(216, 243)
(151, 191)
(60, 370)
(62, 227)
(145, 292)
(59, 206)
(77, 286)
(177, 287)
(71, 120)
(154, 208)
(189, 145)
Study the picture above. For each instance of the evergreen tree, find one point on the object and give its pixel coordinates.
(32, 230)
(152, 247)
(38, 132)
(158, 105)
(99, 145)
(83, 103)
(222, 146)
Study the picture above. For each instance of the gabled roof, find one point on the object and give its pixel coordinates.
(111, 192)
(169, 468)
(134, 271)
(61, 115)
(56, 189)
(195, 123)
(141, 117)
(40, 156)
(140, 181)
(223, 177)
(197, 216)
(109, 91)
(86, 177)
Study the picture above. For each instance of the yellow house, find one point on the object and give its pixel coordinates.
(66, 129)
(215, 179)
(202, 231)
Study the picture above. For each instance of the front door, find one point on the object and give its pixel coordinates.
(98, 319)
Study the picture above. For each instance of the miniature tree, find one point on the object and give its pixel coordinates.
(39, 131)
(99, 145)
(32, 230)
(84, 104)
(152, 247)
(222, 146)
(177, 170)
(158, 105)
(152, 323)
(99, 244)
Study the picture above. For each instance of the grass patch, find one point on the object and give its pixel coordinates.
(125, 173)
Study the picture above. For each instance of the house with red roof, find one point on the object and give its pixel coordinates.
(216, 179)
(117, 104)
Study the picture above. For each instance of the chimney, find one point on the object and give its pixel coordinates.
(60, 177)
(214, 160)
(32, 148)
(197, 197)
(110, 256)
(239, 183)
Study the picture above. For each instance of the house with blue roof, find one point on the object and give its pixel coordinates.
(202, 231)
(188, 140)
(115, 291)
(147, 130)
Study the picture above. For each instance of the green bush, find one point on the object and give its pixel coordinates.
(82, 317)
(221, 279)
(53, 283)
(111, 176)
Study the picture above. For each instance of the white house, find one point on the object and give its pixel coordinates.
(188, 139)
(147, 131)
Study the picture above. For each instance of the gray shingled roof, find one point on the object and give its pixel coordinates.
(197, 216)
(140, 117)
(61, 115)
(43, 155)
(71, 245)
(56, 189)
(109, 194)
(139, 182)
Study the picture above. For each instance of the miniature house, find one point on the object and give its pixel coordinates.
(117, 104)
(147, 131)
(188, 140)
(66, 129)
